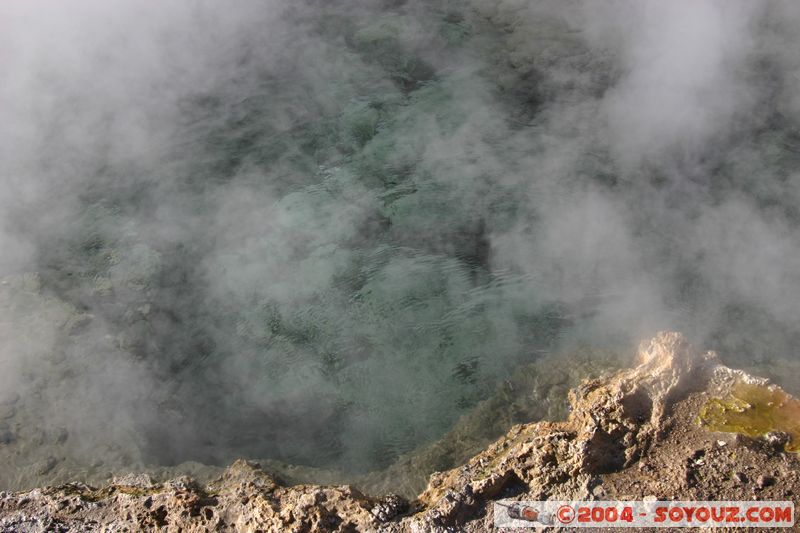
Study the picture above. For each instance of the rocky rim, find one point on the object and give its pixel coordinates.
(630, 435)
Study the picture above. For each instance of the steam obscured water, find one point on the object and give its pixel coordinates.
(348, 227)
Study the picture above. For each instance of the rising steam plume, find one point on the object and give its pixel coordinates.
(320, 232)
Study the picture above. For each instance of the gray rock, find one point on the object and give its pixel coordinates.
(777, 440)
(390, 507)
(764, 481)
(46, 466)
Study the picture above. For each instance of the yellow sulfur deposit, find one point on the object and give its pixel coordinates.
(754, 410)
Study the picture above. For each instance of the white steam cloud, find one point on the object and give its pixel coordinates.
(320, 232)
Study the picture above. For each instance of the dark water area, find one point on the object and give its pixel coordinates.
(321, 234)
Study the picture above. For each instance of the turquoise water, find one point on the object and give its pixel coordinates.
(321, 234)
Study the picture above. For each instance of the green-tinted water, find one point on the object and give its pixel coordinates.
(323, 234)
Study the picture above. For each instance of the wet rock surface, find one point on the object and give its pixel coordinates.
(630, 435)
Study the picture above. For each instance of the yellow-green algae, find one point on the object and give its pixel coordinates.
(754, 411)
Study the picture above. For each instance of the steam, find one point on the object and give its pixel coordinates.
(321, 232)
(681, 85)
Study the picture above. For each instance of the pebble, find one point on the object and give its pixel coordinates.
(765, 481)
(740, 477)
(777, 439)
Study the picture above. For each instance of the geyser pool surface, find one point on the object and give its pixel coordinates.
(320, 233)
